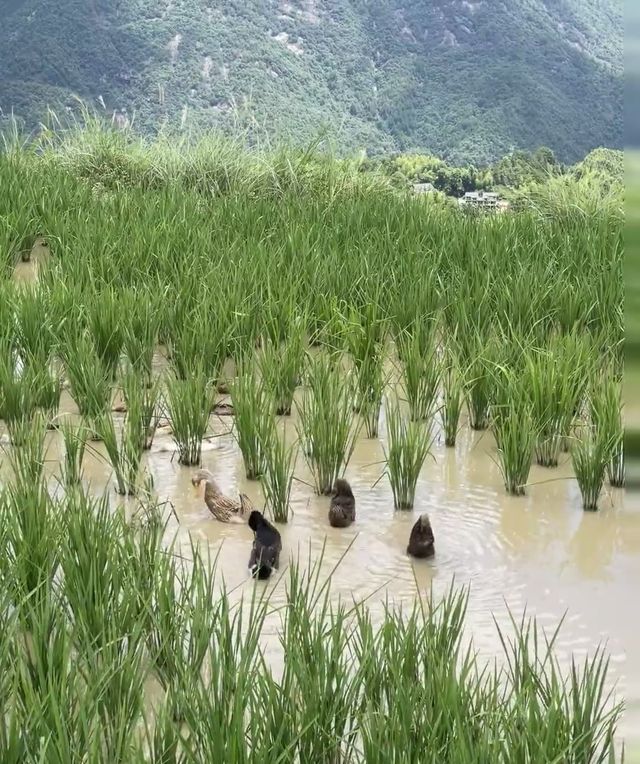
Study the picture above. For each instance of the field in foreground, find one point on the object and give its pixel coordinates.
(313, 295)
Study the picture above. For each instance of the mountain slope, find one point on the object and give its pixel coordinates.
(466, 79)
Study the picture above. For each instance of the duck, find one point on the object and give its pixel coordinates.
(221, 507)
(421, 540)
(267, 545)
(342, 510)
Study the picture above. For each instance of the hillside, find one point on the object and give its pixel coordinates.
(467, 80)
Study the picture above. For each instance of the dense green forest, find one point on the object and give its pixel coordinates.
(466, 80)
(514, 175)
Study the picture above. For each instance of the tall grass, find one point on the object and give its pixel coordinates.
(326, 421)
(476, 357)
(90, 381)
(557, 377)
(35, 335)
(189, 403)
(18, 400)
(365, 333)
(199, 337)
(513, 427)
(106, 329)
(27, 457)
(453, 396)
(421, 376)
(279, 460)
(253, 411)
(281, 366)
(125, 452)
(75, 441)
(372, 382)
(409, 444)
(47, 390)
(140, 330)
(606, 414)
(142, 399)
(590, 454)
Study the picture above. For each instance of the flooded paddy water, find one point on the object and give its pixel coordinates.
(540, 553)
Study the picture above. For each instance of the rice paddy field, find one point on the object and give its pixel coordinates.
(284, 320)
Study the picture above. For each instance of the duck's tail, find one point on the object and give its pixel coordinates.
(261, 571)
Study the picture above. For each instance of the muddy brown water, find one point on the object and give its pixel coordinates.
(540, 552)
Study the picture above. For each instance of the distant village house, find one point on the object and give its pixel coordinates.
(486, 200)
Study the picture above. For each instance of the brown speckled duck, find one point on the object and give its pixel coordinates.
(221, 507)
(342, 510)
(421, 540)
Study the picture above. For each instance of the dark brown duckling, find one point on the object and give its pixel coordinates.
(421, 540)
(267, 545)
(342, 510)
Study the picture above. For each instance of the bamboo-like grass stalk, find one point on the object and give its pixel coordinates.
(47, 388)
(372, 382)
(476, 355)
(189, 403)
(409, 444)
(27, 457)
(75, 442)
(605, 403)
(453, 397)
(142, 398)
(18, 401)
(514, 430)
(421, 376)
(590, 454)
(35, 337)
(125, 452)
(281, 365)
(106, 329)
(326, 422)
(253, 416)
(557, 376)
(279, 460)
(140, 331)
(89, 380)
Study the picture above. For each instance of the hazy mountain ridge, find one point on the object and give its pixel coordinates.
(466, 79)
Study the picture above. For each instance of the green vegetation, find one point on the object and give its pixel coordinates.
(236, 251)
(252, 410)
(409, 445)
(520, 176)
(279, 463)
(463, 81)
(95, 612)
(326, 413)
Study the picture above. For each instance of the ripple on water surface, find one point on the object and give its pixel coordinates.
(540, 552)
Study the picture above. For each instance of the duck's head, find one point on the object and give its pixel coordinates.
(197, 478)
(342, 488)
(255, 520)
(424, 522)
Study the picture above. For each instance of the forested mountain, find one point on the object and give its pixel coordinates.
(467, 80)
